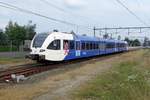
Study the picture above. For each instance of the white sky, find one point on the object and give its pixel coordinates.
(99, 13)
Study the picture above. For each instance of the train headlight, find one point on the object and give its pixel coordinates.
(42, 50)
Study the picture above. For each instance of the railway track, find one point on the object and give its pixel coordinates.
(28, 70)
(25, 70)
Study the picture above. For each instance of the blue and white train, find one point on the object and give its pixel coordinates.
(59, 46)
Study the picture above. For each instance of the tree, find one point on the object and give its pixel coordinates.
(1, 34)
(119, 37)
(136, 42)
(3, 38)
(127, 40)
(15, 33)
(146, 41)
(106, 36)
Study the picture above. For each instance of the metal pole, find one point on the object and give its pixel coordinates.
(128, 31)
(105, 30)
(106, 33)
(100, 33)
(94, 31)
(140, 30)
(116, 31)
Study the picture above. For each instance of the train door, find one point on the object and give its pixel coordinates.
(78, 48)
(102, 47)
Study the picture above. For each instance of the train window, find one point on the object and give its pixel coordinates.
(54, 45)
(113, 45)
(102, 46)
(91, 47)
(83, 46)
(78, 46)
(110, 45)
(71, 45)
(39, 40)
(107, 45)
(87, 46)
(65, 44)
(94, 47)
(118, 45)
(97, 46)
(122, 45)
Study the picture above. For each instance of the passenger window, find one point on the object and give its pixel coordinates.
(90, 45)
(83, 46)
(66, 44)
(94, 46)
(118, 46)
(78, 46)
(110, 45)
(87, 46)
(71, 45)
(100, 45)
(97, 46)
(54, 45)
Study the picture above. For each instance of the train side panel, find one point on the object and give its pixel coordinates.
(59, 46)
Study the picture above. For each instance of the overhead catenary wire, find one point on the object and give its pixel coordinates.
(140, 4)
(52, 5)
(7, 7)
(132, 13)
(59, 8)
(63, 10)
(13, 7)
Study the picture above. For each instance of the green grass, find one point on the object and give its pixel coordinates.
(124, 82)
(11, 60)
(5, 49)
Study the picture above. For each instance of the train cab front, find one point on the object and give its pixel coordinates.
(50, 47)
(36, 47)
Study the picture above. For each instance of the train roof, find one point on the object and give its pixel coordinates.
(87, 38)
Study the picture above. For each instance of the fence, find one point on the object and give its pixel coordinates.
(14, 45)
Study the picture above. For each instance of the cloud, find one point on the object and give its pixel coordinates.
(3, 25)
(75, 3)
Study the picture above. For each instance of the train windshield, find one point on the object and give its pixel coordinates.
(39, 40)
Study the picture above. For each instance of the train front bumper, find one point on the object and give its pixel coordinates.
(35, 57)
